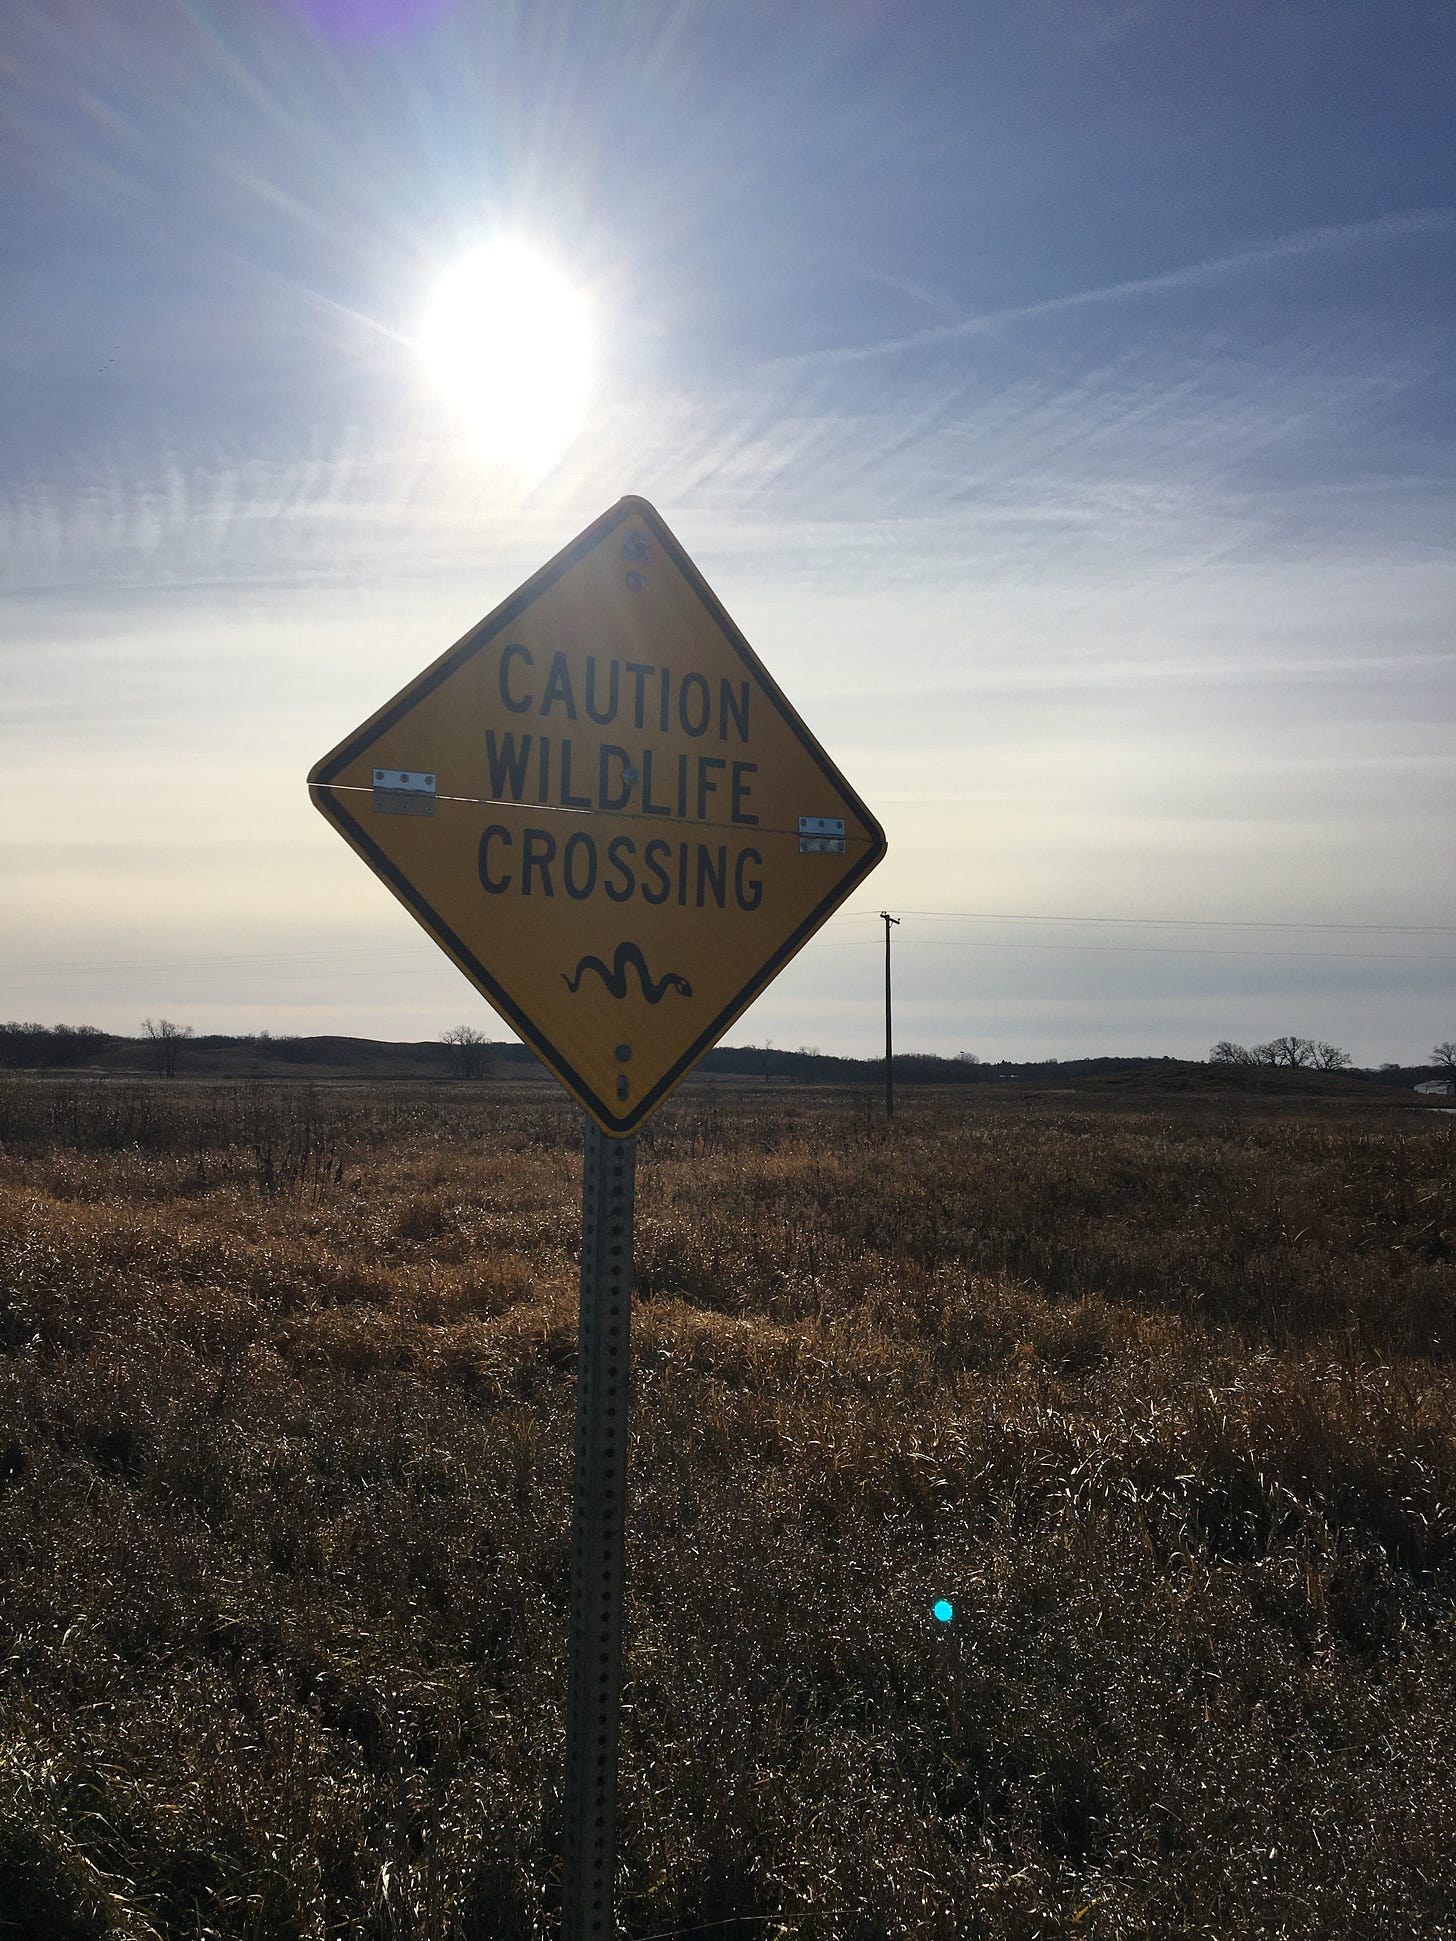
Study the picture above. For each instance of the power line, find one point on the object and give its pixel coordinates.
(1173, 923)
(1139, 950)
(207, 963)
(327, 957)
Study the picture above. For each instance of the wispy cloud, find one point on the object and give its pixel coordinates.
(1122, 464)
(1399, 226)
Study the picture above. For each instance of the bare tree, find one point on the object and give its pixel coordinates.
(1226, 1052)
(469, 1051)
(1329, 1058)
(1443, 1057)
(1297, 1053)
(167, 1041)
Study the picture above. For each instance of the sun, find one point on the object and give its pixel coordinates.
(507, 342)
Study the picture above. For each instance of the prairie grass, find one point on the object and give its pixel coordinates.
(1158, 1395)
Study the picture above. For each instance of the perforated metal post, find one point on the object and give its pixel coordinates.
(594, 1686)
(887, 920)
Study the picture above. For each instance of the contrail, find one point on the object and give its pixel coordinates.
(1304, 242)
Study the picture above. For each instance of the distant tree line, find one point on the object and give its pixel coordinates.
(37, 1047)
(1295, 1054)
(33, 1047)
(47, 1047)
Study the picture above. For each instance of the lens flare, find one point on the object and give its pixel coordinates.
(507, 341)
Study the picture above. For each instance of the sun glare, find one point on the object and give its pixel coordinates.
(507, 342)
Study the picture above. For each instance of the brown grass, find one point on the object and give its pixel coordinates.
(1160, 1397)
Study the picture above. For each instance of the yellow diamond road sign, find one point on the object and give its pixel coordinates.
(605, 812)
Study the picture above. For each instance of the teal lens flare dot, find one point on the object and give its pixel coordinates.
(944, 1609)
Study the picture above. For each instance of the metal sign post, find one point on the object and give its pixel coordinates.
(887, 920)
(594, 1646)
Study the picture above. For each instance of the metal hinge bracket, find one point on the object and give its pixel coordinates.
(821, 835)
(400, 791)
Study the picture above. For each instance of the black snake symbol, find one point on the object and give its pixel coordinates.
(615, 979)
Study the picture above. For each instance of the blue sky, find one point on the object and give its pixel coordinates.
(1059, 397)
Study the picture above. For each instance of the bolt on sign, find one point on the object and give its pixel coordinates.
(603, 809)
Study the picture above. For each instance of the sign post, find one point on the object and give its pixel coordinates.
(594, 1648)
(887, 920)
(605, 811)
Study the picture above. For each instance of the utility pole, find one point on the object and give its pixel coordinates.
(887, 920)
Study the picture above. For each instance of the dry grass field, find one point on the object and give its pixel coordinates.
(1158, 1393)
